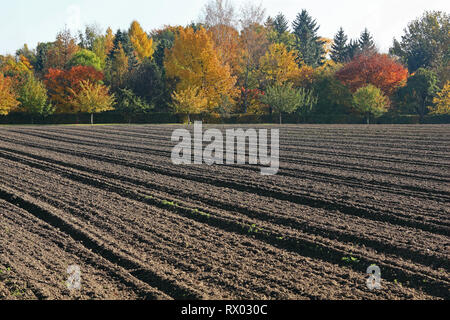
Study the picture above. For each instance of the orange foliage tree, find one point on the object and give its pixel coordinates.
(380, 70)
(8, 99)
(226, 39)
(61, 84)
(62, 50)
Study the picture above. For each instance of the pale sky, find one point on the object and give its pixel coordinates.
(29, 21)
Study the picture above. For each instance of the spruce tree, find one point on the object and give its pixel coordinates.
(281, 24)
(366, 42)
(339, 47)
(307, 43)
(353, 49)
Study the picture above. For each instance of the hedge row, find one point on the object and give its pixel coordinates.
(161, 118)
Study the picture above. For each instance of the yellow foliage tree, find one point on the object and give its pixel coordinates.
(194, 62)
(8, 99)
(278, 65)
(92, 98)
(118, 68)
(103, 45)
(442, 101)
(189, 101)
(109, 40)
(142, 44)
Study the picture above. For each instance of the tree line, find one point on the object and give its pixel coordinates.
(232, 62)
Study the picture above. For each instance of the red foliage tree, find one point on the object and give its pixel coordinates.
(59, 82)
(380, 70)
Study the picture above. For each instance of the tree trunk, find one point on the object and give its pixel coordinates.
(280, 119)
(368, 119)
(92, 119)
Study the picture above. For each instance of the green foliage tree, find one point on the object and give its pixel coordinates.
(366, 44)
(87, 58)
(334, 98)
(286, 99)
(122, 39)
(41, 63)
(370, 101)
(339, 47)
(426, 42)
(353, 49)
(33, 98)
(281, 24)
(418, 93)
(164, 40)
(308, 44)
(90, 35)
(148, 81)
(129, 104)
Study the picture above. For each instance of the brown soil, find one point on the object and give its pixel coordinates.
(110, 200)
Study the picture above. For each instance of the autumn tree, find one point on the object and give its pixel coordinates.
(339, 51)
(33, 98)
(379, 70)
(194, 62)
(219, 17)
(62, 50)
(8, 98)
(62, 83)
(226, 41)
(307, 42)
(102, 46)
(255, 44)
(142, 44)
(15, 69)
(286, 99)
(117, 68)
(191, 100)
(29, 54)
(442, 101)
(92, 98)
(278, 66)
(370, 101)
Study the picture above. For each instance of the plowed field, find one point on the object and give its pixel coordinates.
(109, 200)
